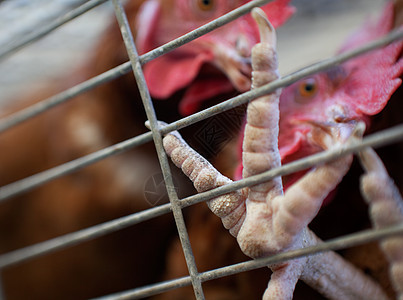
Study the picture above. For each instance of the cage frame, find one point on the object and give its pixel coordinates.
(385, 137)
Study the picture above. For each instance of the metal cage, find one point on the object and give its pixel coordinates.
(391, 135)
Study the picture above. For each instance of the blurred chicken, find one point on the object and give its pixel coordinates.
(202, 73)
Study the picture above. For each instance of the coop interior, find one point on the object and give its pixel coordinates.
(91, 204)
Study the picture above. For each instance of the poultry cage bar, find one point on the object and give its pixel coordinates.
(162, 157)
(45, 176)
(395, 134)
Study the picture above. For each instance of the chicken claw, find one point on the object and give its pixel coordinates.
(386, 209)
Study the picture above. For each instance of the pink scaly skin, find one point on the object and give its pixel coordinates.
(386, 209)
(263, 218)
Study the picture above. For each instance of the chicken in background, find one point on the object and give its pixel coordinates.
(117, 186)
(364, 88)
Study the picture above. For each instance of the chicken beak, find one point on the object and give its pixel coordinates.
(330, 134)
(233, 59)
(229, 54)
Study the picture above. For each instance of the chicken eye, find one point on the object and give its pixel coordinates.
(307, 89)
(205, 5)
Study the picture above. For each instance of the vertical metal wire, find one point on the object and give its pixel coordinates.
(162, 157)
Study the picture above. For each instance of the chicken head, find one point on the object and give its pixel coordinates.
(225, 50)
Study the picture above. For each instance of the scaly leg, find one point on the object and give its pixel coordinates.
(386, 209)
(326, 272)
(275, 222)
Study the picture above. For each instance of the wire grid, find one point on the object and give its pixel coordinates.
(176, 205)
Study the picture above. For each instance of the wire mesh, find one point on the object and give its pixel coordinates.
(336, 244)
(29, 183)
(176, 205)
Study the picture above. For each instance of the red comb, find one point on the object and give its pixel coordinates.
(170, 73)
(278, 12)
(374, 77)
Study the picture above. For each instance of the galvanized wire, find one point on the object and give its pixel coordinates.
(162, 156)
(31, 182)
(375, 140)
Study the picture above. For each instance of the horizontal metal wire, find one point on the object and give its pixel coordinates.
(346, 241)
(80, 236)
(36, 35)
(38, 179)
(381, 138)
(375, 140)
(27, 113)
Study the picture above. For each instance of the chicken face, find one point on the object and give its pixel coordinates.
(330, 102)
(323, 110)
(226, 50)
(316, 112)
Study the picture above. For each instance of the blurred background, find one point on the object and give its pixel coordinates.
(314, 33)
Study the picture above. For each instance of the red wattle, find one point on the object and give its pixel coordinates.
(169, 73)
(201, 90)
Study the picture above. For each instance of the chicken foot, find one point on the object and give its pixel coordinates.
(386, 209)
(265, 220)
(326, 272)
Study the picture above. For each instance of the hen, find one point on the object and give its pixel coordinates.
(218, 64)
